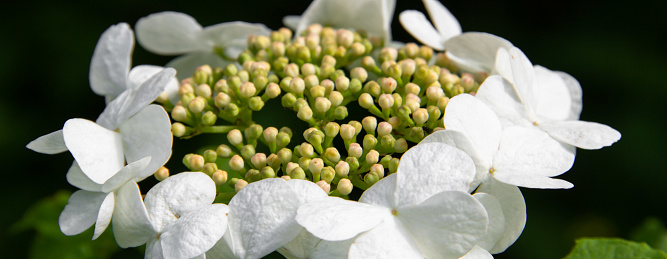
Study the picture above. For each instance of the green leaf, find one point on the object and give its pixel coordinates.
(652, 232)
(610, 248)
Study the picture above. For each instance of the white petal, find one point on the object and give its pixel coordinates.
(514, 211)
(97, 150)
(332, 249)
(576, 94)
(305, 245)
(582, 134)
(132, 101)
(444, 20)
(131, 225)
(261, 217)
(419, 27)
(147, 133)
(187, 64)
(128, 173)
(499, 94)
(531, 151)
(52, 143)
(475, 51)
(111, 60)
(389, 239)
(524, 77)
(335, 219)
(477, 121)
(370, 16)
(79, 179)
(447, 225)
(195, 232)
(154, 250)
(177, 195)
(220, 34)
(461, 141)
(291, 21)
(169, 33)
(104, 216)
(140, 74)
(430, 168)
(552, 97)
(477, 253)
(223, 248)
(527, 180)
(307, 190)
(496, 228)
(382, 193)
(80, 212)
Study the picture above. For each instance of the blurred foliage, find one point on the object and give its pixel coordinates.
(613, 248)
(651, 232)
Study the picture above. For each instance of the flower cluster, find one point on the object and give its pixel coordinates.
(408, 151)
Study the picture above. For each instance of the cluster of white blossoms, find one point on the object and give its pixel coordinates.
(449, 139)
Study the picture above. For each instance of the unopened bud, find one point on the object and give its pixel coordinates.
(210, 168)
(359, 73)
(305, 113)
(221, 100)
(336, 98)
(331, 129)
(272, 90)
(197, 105)
(196, 163)
(371, 178)
(297, 86)
(185, 88)
(331, 154)
(411, 50)
(369, 123)
(240, 184)
(288, 100)
(366, 101)
(322, 104)
(388, 53)
(306, 150)
(355, 150)
(178, 129)
(267, 172)
(258, 160)
(179, 113)
(372, 157)
(328, 174)
(297, 173)
(219, 177)
(373, 88)
(340, 113)
(247, 90)
(203, 90)
(282, 139)
(161, 173)
(433, 93)
(285, 155)
(247, 151)
(236, 163)
(210, 156)
(344, 186)
(420, 116)
(223, 151)
(386, 101)
(347, 132)
(378, 170)
(326, 187)
(369, 142)
(395, 122)
(209, 118)
(328, 85)
(235, 137)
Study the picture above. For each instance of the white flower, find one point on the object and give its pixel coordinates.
(423, 210)
(539, 98)
(173, 33)
(471, 51)
(110, 73)
(261, 217)
(372, 16)
(175, 220)
(143, 141)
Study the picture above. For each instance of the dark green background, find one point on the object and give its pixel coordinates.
(616, 51)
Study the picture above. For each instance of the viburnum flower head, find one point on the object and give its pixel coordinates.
(422, 210)
(371, 16)
(174, 33)
(533, 96)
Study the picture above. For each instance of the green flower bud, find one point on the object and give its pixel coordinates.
(372, 157)
(308, 69)
(260, 82)
(196, 162)
(433, 113)
(219, 177)
(273, 161)
(178, 129)
(278, 49)
(258, 160)
(369, 142)
(290, 166)
(373, 88)
(355, 150)
(342, 83)
(355, 86)
(203, 90)
(420, 116)
(388, 84)
(285, 155)
(210, 156)
(311, 81)
(401, 145)
(456, 90)
(322, 104)
(282, 139)
(342, 169)
(317, 91)
(347, 132)
(331, 129)
(386, 101)
(197, 105)
(235, 137)
(366, 101)
(312, 41)
(262, 42)
(344, 37)
(433, 93)
(270, 134)
(387, 142)
(411, 50)
(369, 123)
(236, 163)
(272, 90)
(353, 162)
(223, 151)
(210, 168)
(416, 133)
(442, 103)
(395, 122)
(368, 63)
(253, 175)
(240, 183)
(359, 73)
(221, 100)
(388, 53)
(357, 49)
(315, 165)
(185, 89)
(371, 178)
(267, 172)
(303, 54)
(288, 100)
(386, 66)
(426, 52)
(412, 102)
(203, 74)
(306, 150)
(393, 165)
(336, 98)
(248, 151)
(394, 71)
(297, 173)
(408, 67)
(332, 155)
(328, 85)
(297, 86)
(255, 103)
(247, 90)
(398, 100)
(186, 160)
(305, 113)
(344, 186)
(378, 170)
(209, 118)
(161, 174)
(179, 113)
(384, 128)
(327, 174)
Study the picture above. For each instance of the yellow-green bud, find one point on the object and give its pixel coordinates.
(353, 162)
(401, 145)
(386, 65)
(433, 93)
(331, 154)
(297, 173)
(317, 91)
(197, 105)
(342, 169)
(315, 165)
(384, 128)
(186, 160)
(247, 90)
(387, 141)
(322, 104)
(290, 166)
(366, 101)
(331, 129)
(359, 73)
(368, 63)
(416, 133)
(282, 139)
(388, 85)
(328, 174)
(369, 123)
(347, 132)
(426, 52)
(411, 88)
(357, 49)
(253, 175)
(456, 90)
(394, 71)
(219, 177)
(308, 69)
(285, 155)
(240, 184)
(209, 118)
(222, 100)
(248, 151)
(255, 103)
(372, 157)
(270, 134)
(196, 162)
(344, 37)
(288, 100)
(408, 67)
(357, 126)
(235, 137)
(393, 165)
(342, 83)
(378, 170)
(411, 50)
(340, 113)
(420, 116)
(185, 88)
(344, 186)
(179, 113)
(328, 85)
(355, 86)
(467, 81)
(371, 178)
(258, 160)
(278, 49)
(286, 177)
(386, 101)
(297, 85)
(442, 103)
(210, 168)
(306, 150)
(267, 172)
(223, 151)
(369, 142)
(272, 90)
(273, 161)
(373, 88)
(203, 90)
(305, 113)
(210, 156)
(388, 53)
(398, 100)
(236, 163)
(161, 174)
(178, 129)
(355, 150)
(394, 121)
(336, 98)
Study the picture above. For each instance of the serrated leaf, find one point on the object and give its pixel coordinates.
(612, 248)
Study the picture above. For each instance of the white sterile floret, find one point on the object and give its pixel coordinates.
(423, 210)
(175, 220)
(372, 16)
(539, 98)
(173, 33)
(261, 218)
(471, 51)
